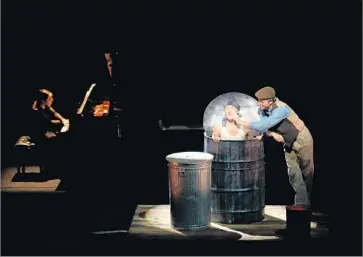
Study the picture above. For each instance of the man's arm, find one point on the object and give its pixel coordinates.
(269, 133)
(267, 122)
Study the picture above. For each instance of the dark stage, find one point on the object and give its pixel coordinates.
(108, 185)
(39, 211)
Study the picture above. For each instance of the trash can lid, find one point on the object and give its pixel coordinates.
(189, 157)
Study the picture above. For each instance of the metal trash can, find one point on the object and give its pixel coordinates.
(189, 189)
(238, 180)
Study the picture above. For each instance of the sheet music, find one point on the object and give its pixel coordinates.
(88, 93)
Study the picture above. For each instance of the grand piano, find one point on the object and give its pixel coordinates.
(95, 132)
(98, 184)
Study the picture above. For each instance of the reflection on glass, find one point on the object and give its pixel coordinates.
(220, 112)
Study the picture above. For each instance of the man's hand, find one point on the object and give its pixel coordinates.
(235, 117)
(277, 137)
(258, 137)
(242, 123)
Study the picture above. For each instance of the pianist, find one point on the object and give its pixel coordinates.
(47, 123)
(43, 106)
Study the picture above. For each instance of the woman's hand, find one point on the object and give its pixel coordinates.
(66, 124)
(34, 106)
(50, 134)
(216, 138)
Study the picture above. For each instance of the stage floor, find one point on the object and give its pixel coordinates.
(153, 222)
(31, 181)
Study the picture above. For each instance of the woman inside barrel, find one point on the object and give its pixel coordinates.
(228, 129)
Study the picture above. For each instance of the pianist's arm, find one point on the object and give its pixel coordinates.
(57, 115)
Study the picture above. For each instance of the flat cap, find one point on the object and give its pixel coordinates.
(265, 93)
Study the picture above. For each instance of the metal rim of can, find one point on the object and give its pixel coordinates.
(188, 166)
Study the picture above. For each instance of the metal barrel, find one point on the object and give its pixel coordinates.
(189, 189)
(238, 180)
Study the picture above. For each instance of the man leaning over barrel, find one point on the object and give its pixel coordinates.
(279, 121)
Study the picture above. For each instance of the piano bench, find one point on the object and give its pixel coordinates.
(24, 154)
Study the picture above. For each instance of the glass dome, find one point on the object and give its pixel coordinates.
(215, 110)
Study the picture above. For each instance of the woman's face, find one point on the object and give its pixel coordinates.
(49, 100)
(230, 112)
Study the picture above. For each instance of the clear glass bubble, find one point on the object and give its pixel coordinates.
(215, 110)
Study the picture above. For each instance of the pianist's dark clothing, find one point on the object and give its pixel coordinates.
(49, 149)
(42, 122)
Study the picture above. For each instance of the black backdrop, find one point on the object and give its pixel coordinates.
(175, 57)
